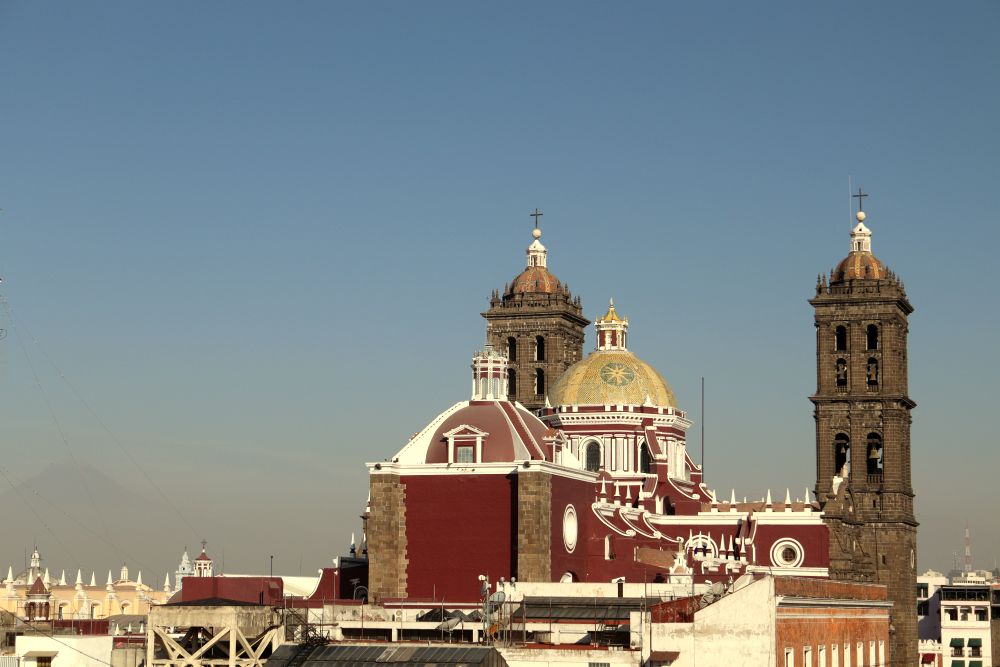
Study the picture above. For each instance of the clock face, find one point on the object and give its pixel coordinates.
(617, 374)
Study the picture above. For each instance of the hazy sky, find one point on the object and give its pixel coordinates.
(257, 237)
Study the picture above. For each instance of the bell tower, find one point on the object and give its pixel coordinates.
(538, 324)
(862, 413)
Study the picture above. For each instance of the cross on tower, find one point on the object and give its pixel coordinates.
(536, 214)
(860, 197)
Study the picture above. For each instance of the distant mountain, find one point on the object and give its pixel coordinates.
(83, 518)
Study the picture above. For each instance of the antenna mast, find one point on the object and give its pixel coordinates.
(968, 548)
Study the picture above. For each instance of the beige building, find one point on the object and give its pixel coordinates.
(49, 598)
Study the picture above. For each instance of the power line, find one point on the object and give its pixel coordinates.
(107, 540)
(51, 411)
(31, 507)
(51, 636)
(114, 437)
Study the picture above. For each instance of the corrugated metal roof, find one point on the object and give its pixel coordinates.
(367, 655)
(605, 609)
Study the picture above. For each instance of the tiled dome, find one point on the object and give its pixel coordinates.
(611, 377)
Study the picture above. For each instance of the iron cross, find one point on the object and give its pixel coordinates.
(860, 197)
(536, 214)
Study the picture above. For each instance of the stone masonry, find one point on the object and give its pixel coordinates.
(534, 525)
(385, 527)
(862, 413)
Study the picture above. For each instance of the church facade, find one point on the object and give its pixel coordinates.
(566, 467)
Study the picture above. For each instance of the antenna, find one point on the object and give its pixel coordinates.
(703, 429)
(850, 207)
(968, 548)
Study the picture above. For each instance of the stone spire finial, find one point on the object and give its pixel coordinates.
(93, 578)
(62, 578)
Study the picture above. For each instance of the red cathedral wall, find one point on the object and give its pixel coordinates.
(815, 541)
(458, 527)
(580, 494)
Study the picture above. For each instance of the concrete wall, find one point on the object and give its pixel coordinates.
(70, 650)
(131, 656)
(736, 630)
(533, 657)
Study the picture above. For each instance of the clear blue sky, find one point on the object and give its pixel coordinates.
(257, 237)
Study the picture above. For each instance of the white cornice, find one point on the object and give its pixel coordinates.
(621, 417)
(502, 468)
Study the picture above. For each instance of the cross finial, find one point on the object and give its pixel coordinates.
(536, 214)
(860, 197)
(203, 543)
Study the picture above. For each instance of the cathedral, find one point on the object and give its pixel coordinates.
(561, 466)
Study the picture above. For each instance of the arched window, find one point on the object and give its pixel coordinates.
(871, 371)
(593, 457)
(512, 349)
(842, 454)
(871, 335)
(608, 553)
(645, 463)
(841, 372)
(539, 348)
(874, 457)
(511, 384)
(539, 382)
(840, 335)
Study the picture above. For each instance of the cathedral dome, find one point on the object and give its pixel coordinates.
(860, 263)
(611, 377)
(487, 429)
(534, 279)
(611, 374)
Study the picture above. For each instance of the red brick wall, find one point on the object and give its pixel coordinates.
(799, 627)
(824, 588)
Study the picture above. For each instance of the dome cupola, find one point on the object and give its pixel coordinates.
(535, 279)
(860, 263)
(489, 375)
(611, 374)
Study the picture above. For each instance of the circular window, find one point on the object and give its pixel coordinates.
(571, 528)
(787, 553)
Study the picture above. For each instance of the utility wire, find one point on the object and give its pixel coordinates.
(115, 548)
(51, 411)
(69, 646)
(114, 437)
(38, 516)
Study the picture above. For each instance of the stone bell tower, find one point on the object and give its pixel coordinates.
(538, 324)
(862, 413)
